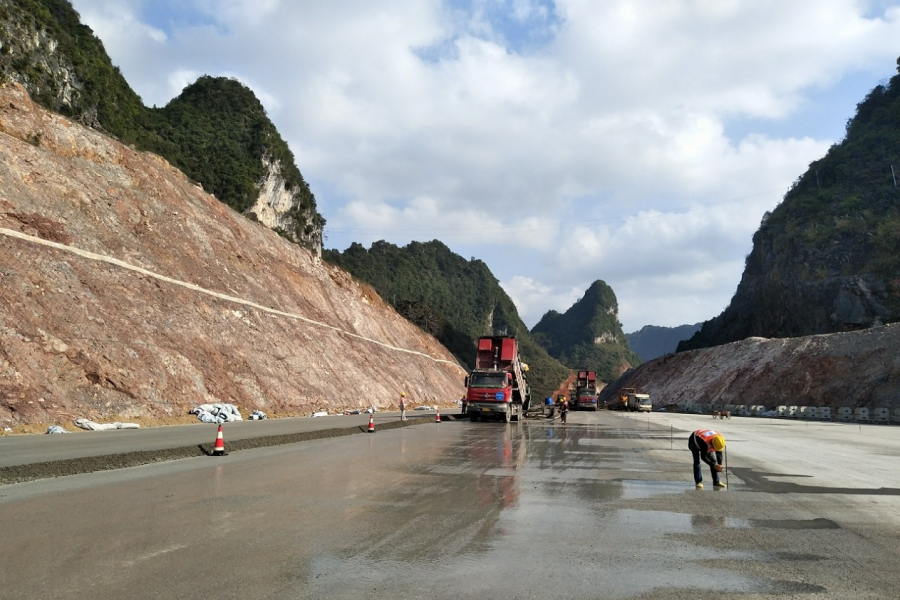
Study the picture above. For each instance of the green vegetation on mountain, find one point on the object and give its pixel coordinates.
(451, 298)
(588, 335)
(827, 258)
(216, 131)
(77, 78)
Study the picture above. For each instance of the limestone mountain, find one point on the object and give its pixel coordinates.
(653, 341)
(216, 131)
(454, 299)
(126, 291)
(588, 335)
(827, 258)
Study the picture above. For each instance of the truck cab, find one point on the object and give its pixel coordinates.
(496, 388)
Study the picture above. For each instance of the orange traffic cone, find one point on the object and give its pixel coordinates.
(219, 449)
(371, 423)
(437, 419)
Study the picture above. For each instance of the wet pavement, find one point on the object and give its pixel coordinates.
(603, 507)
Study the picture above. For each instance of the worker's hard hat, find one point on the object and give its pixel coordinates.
(403, 393)
(718, 442)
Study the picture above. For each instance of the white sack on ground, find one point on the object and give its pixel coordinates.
(92, 426)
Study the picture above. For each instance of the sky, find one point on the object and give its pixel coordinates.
(639, 142)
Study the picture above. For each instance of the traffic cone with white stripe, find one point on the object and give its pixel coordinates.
(371, 423)
(219, 448)
(437, 419)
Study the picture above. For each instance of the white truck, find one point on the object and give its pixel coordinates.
(639, 402)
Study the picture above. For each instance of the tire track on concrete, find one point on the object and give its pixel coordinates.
(196, 288)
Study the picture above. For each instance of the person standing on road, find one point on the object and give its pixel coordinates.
(402, 406)
(707, 445)
(563, 408)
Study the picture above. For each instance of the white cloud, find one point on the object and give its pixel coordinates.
(620, 114)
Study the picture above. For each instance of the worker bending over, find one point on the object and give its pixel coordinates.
(707, 445)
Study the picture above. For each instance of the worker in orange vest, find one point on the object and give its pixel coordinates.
(707, 445)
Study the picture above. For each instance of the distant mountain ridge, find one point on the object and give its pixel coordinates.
(653, 341)
(588, 335)
(216, 131)
(827, 258)
(454, 299)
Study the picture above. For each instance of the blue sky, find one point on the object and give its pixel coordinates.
(634, 141)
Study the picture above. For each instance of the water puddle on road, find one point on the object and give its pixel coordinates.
(535, 512)
(634, 489)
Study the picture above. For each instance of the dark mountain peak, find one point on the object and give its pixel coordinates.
(588, 335)
(601, 294)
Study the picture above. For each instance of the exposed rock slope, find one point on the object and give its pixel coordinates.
(216, 130)
(860, 368)
(127, 290)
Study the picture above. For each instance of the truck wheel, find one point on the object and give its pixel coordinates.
(507, 416)
(473, 417)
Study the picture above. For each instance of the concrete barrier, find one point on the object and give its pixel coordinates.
(825, 413)
(809, 412)
(793, 412)
(845, 413)
(861, 414)
(743, 410)
(757, 409)
(781, 411)
(897, 415)
(880, 415)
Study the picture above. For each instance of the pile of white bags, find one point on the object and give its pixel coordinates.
(258, 415)
(217, 413)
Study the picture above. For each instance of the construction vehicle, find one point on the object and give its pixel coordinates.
(629, 399)
(496, 388)
(584, 396)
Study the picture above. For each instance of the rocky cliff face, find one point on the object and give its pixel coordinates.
(277, 208)
(855, 369)
(827, 258)
(49, 74)
(125, 290)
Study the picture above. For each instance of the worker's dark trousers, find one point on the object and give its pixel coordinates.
(698, 470)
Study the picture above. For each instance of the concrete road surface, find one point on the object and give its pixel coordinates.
(603, 507)
(30, 449)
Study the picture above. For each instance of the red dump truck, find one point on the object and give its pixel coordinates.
(496, 388)
(584, 396)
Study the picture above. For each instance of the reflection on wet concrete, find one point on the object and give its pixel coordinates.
(764, 482)
(516, 498)
(533, 510)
